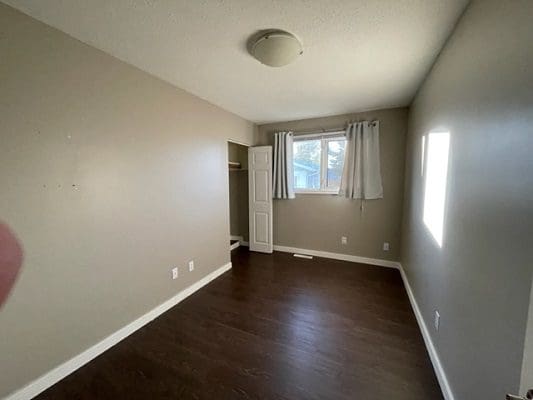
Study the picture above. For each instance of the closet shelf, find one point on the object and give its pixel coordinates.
(234, 165)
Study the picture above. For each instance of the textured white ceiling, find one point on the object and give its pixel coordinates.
(358, 55)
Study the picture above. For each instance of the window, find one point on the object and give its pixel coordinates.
(438, 144)
(318, 163)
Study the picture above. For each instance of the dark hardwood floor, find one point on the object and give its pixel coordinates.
(274, 327)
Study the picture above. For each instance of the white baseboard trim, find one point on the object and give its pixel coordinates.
(240, 242)
(433, 355)
(339, 256)
(50, 378)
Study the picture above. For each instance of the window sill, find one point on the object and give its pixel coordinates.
(322, 192)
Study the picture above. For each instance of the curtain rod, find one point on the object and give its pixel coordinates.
(326, 131)
(319, 131)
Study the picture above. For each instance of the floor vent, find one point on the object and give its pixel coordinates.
(303, 256)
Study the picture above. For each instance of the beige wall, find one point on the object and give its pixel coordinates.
(148, 162)
(317, 222)
(238, 191)
(481, 91)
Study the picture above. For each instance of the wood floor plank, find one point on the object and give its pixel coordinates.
(274, 327)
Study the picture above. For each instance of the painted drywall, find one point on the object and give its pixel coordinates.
(317, 222)
(480, 90)
(109, 177)
(238, 191)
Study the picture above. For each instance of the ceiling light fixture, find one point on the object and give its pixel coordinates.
(276, 48)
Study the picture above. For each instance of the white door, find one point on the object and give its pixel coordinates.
(260, 198)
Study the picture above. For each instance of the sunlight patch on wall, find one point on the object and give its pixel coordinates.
(422, 155)
(438, 144)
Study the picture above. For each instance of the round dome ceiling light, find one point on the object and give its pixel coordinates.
(276, 48)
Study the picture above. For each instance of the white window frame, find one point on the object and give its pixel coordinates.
(324, 138)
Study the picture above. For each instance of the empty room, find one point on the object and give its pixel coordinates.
(277, 199)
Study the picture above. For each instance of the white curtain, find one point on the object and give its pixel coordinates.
(283, 178)
(361, 176)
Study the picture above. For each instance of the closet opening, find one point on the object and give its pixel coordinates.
(238, 194)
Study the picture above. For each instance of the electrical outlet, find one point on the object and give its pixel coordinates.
(191, 265)
(437, 320)
(386, 246)
(344, 240)
(175, 273)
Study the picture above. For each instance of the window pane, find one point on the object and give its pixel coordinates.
(335, 163)
(307, 164)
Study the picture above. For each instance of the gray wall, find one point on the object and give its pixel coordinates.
(238, 191)
(481, 91)
(317, 222)
(149, 164)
